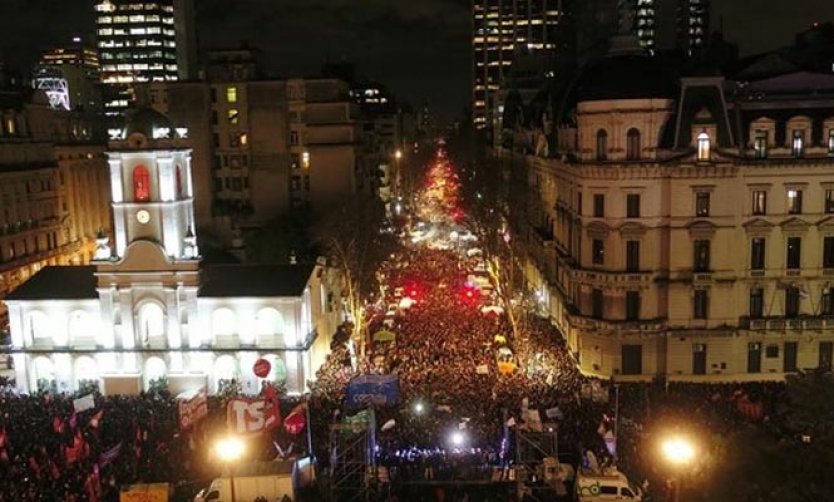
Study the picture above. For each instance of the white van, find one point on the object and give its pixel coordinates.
(604, 487)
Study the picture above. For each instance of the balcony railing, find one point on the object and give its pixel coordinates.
(816, 323)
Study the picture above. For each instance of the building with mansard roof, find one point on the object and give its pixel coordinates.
(683, 226)
(148, 309)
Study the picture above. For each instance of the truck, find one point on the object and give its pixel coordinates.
(605, 485)
(272, 480)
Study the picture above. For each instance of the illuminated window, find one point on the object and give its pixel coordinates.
(831, 142)
(244, 139)
(141, 184)
(798, 143)
(794, 201)
(703, 146)
(305, 160)
(231, 94)
(233, 116)
(760, 144)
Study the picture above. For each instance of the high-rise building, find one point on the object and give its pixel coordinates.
(693, 25)
(70, 76)
(143, 42)
(502, 29)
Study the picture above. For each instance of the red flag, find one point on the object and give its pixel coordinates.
(58, 425)
(73, 421)
(96, 419)
(77, 450)
(33, 464)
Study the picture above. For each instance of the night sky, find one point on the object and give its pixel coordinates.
(419, 48)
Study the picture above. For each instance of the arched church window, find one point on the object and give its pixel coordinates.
(633, 144)
(141, 184)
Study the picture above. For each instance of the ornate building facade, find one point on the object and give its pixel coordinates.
(149, 309)
(685, 227)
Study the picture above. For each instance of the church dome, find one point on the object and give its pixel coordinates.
(145, 120)
(626, 76)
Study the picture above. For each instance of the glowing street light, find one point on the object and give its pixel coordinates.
(419, 408)
(457, 439)
(398, 154)
(679, 452)
(230, 450)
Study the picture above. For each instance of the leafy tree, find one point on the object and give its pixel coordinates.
(350, 237)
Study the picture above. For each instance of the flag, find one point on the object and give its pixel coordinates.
(95, 420)
(84, 403)
(76, 451)
(110, 455)
(388, 425)
(58, 425)
(33, 465)
(73, 421)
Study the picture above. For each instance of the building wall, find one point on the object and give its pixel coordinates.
(739, 343)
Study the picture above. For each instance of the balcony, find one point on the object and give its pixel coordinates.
(819, 323)
(612, 278)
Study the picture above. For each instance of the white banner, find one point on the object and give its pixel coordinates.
(83, 403)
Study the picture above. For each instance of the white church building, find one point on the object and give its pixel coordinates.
(148, 308)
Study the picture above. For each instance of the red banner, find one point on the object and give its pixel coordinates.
(192, 408)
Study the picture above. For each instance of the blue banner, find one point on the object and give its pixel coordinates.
(373, 390)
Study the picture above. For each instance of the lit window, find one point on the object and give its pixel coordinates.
(794, 201)
(831, 142)
(141, 184)
(703, 146)
(798, 143)
(760, 144)
(305, 160)
(244, 139)
(231, 94)
(233, 116)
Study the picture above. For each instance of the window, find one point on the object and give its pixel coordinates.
(233, 116)
(231, 94)
(829, 201)
(791, 302)
(702, 204)
(632, 256)
(701, 255)
(756, 303)
(827, 302)
(831, 142)
(598, 250)
(794, 201)
(633, 205)
(760, 144)
(757, 253)
(295, 161)
(759, 202)
(798, 143)
(772, 351)
(703, 146)
(305, 160)
(794, 252)
(608, 490)
(828, 252)
(141, 184)
(632, 305)
(602, 144)
(633, 144)
(599, 205)
(596, 303)
(293, 138)
(700, 304)
(179, 181)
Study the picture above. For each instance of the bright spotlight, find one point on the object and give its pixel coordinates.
(457, 438)
(419, 408)
(678, 450)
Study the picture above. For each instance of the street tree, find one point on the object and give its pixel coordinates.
(350, 236)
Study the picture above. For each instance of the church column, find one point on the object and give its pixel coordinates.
(173, 318)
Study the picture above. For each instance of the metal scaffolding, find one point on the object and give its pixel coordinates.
(537, 465)
(352, 464)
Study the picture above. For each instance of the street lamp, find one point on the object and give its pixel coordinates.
(679, 452)
(229, 450)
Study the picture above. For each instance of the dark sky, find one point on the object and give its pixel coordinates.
(420, 48)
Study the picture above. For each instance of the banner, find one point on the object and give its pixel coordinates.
(373, 390)
(84, 403)
(193, 406)
(248, 416)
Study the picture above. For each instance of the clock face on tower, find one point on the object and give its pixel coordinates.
(143, 216)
